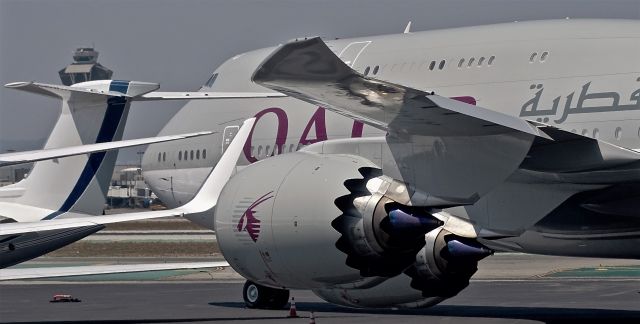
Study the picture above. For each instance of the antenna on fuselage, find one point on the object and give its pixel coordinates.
(408, 28)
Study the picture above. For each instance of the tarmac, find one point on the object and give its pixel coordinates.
(548, 301)
(508, 288)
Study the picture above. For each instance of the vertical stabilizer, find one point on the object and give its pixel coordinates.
(92, 112)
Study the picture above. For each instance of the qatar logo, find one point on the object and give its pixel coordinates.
(249, 222)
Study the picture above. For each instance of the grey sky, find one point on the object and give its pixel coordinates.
(179, 43)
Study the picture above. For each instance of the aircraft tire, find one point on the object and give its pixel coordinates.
(257, 296)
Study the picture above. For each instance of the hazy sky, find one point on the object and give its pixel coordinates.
(179, 43)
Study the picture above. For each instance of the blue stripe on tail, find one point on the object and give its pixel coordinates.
(112, 118)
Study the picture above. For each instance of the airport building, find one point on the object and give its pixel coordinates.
(84, 68)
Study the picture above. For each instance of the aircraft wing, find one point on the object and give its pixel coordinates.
(308, 70)
(136, 91)
(52, 272)
(48, 154)
(204, 200)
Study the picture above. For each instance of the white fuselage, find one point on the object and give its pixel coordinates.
(579, 75)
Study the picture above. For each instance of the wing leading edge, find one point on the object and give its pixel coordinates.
(48, 154)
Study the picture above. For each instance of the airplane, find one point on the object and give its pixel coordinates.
(395, 163)
(204, 200)
(59, 201)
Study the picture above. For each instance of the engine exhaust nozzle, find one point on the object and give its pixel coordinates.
(467, 249)
(401, 222)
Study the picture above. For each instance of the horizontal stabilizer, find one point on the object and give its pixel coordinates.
(53, 272)
(116, 88)
(206, 95)
(48, 154)
(136, 91)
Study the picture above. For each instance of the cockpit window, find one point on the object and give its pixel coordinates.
(211, 80)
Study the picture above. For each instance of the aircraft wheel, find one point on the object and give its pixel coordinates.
(257, 296)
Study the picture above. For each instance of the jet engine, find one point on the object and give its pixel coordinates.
(442, 268)
(333, 222)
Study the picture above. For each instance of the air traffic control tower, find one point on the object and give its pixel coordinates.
(84, 68)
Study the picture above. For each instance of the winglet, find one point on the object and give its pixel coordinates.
(207, 196)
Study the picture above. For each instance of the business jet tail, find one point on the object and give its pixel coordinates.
(92, 112)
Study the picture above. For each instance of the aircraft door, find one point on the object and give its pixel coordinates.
(351, 52)
(228, 135)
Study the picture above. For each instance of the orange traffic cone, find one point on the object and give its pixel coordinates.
(292, 310)
(312, 319)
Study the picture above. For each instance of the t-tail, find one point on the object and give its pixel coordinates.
(92, 112)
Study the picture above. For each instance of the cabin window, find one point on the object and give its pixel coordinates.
(596, 133)
(204, 154)
(532, 57)
(159, 156)
(460, 63)
(164, 156)
(442, 63)
(432, 65)
(366, 71)
(375, 69)
(198, 155)
(180, 156)
(618, 133)
(543, 57)
(186, 155)
(491, 59)
(585, 132)
(471, 60)
(480, 61)
(259, 150)
(191, 155)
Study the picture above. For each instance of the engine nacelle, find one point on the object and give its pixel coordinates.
(442, 268)
(394, 292)
(273, 220)
(325, 222)
(306, 220)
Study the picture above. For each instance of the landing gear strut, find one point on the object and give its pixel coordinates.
(257, 296)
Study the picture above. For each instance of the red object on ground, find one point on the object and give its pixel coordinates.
(62, 298)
